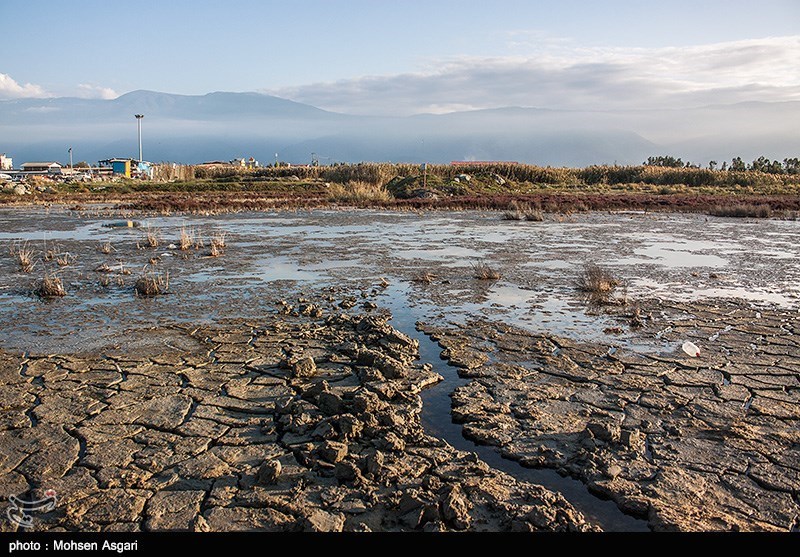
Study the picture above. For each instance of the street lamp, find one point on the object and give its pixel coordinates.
(139, 125)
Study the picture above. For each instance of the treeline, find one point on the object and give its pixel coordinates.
(761, 164)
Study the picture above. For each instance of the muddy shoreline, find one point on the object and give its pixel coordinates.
(295, 354)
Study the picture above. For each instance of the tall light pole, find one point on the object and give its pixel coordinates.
(139, 125)
(70, 157)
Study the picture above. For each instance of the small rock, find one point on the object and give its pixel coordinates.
(322, 521)
(347, 472)
(350, 426)
(332, 451)
(268, 472)
(375, 463)
(330, 403)
(200, 524)
(410, 500)
(631, 439)
(613, 471)
(455, 508)
(366, 401)
(437, 526)
(604, 431)
(324, 431)
(304, 367)
(391, 442)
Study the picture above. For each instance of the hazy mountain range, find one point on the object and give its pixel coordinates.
(223, 126)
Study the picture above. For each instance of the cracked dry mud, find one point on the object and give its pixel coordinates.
(291, 423)
(709, 443)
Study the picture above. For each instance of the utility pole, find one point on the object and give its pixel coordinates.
(276, 160)
(424, 167)
(70, 158)
(139, 126)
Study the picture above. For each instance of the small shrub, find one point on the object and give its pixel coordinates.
(597, 284)
(151, 284)
(482, 271)
(50, 287)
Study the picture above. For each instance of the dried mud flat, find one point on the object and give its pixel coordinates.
(708, 443)
(233, 413)
(294, 423)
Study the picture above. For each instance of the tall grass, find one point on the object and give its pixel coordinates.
(762, 211)
(358, 191)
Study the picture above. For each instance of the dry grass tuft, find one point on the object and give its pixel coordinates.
(187, 240)
(150, 285)
(425, 277)
(24, 256)
(151, 237)
(218, 244)
(104, 268)
(106, 248)
(523, 211)
(65, 259)
(762, 211)
(597, 284)
(483, 271)
(50, 287)
(356, 191)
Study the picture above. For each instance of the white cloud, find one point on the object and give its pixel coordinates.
(568, 77)
(88, 91)
(10, 89)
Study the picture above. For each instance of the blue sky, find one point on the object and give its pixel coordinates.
(404, 57)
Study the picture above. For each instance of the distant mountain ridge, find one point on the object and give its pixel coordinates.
(222, 126)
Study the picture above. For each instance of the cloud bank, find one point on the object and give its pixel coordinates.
(601, 78)
(10, 89)
(88, 91)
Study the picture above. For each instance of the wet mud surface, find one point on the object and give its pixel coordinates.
(268, 391)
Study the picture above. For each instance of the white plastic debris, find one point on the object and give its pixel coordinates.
(691, 349)
(172, 246)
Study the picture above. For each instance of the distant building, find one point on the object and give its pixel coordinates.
(245, 163)
(129, 168)
(6, 163)
(42, 167)
(120, 167)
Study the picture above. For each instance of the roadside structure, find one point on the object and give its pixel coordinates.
(42, 168)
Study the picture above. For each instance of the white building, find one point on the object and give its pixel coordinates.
(42, 167)
(6, 163)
